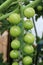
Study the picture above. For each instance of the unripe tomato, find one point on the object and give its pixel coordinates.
(14, 54)
(15, 63)
(29, 12)
(39, 8)
(15, 31)
(15, 44)
(14, 18)
(28, 49)
(28, 24)
(27, 60)
(29, 38)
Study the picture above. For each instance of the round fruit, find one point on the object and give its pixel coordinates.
(28, 24)
(14, 18)
(28, 49)
(29, 12)
(14, 54)
(15, 44)
(29, 38)
(15, 31)
(15, 63)
(39, 8)
(27, 60)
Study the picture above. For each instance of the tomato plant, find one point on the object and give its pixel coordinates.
(15, 44)
(39, 8)
(14, 54)
(27, 60)
(28, 49)
(28, 24)
(29, 12)
(29, 38)
(12, 15)
(14, 18)
(15, 63)
(15, 31)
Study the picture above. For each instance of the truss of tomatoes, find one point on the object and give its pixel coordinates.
(28, 38)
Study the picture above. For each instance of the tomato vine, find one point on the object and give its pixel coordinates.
(15, 24)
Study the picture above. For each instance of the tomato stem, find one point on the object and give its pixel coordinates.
(33, 4)
(5, 5)
(22, 26)
(6, 15)
(13, 3)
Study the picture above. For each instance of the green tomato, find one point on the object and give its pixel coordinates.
(14, 54)
(29, 12)
(15, 63)
(15, 31)
(15, 44)
(39, 8)
(14, 18)
(28, 24)
(27, 60)
(28, 49)
(29, 38)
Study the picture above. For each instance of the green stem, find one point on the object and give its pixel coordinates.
(13, 3)
(22, 27)
(33, 4)
(5, 5)
(5, 16)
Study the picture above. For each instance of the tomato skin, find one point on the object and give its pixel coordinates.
(29, 38)
(27, 60)
(28, 49)
(14, 18)
(15, 31)
(15, 63)
(39, 8)
(28, 24)
(15, 44)
(14, 54)
(29, 12)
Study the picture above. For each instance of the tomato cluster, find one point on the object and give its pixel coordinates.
(28, 38)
